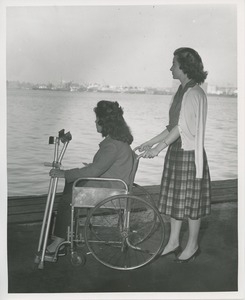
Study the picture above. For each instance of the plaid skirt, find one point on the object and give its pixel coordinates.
(182, 195)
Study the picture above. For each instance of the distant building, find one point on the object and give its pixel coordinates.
(212, 90)
(95, 87)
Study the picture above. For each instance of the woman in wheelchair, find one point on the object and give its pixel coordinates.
(114, 159)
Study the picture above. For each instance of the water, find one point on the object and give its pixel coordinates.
(33, 116)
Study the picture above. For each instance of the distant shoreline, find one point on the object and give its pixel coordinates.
(156, 92)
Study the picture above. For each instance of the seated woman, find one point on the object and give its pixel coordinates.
(114, 159)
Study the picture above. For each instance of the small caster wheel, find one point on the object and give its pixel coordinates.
(37, 259)
(80, 244)
(41, 265)
(77, 260)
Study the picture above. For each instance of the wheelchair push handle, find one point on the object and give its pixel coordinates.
(56, 165)
(138, 156)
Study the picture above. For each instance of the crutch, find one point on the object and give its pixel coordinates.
(65, 139)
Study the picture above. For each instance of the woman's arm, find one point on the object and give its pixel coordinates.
(103, 160)
(171, 137)
(158, 138)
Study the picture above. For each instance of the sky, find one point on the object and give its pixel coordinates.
(119, 45)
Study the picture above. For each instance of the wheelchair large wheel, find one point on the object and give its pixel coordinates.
(119, 232)
(147, 197)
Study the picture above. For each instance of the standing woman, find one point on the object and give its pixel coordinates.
(185, 185)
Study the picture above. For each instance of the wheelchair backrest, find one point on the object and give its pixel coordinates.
(136, 159)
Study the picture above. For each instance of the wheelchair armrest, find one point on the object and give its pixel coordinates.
(99, 179)
(89, 196)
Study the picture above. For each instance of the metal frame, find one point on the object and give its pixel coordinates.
(91, 197)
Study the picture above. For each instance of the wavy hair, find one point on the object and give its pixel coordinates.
(110, 118)
(191, 64)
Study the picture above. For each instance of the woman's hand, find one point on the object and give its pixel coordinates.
(57, 173)
(151, 153)
(143, 147)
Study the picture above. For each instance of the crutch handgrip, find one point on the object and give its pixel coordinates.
(51, 140)
(66, 137)
(52, 165)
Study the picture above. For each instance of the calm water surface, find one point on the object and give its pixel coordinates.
(33, 116)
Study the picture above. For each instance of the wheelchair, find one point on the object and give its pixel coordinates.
(117, 223)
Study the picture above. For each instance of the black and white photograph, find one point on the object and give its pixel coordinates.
(122, 161)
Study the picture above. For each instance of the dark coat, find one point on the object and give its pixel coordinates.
(114, 159)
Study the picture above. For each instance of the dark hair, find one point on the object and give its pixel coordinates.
(110, 118)
(191, 64)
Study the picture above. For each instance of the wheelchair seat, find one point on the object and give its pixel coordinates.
(89, 191)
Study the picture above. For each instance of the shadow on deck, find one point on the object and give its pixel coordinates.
(215, 270)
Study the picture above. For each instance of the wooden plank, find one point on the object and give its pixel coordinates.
(15, 210)
(24, 209)
(25, 218)
(225, 183)
(28, 200)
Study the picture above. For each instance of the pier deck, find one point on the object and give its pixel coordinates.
(215, 270)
